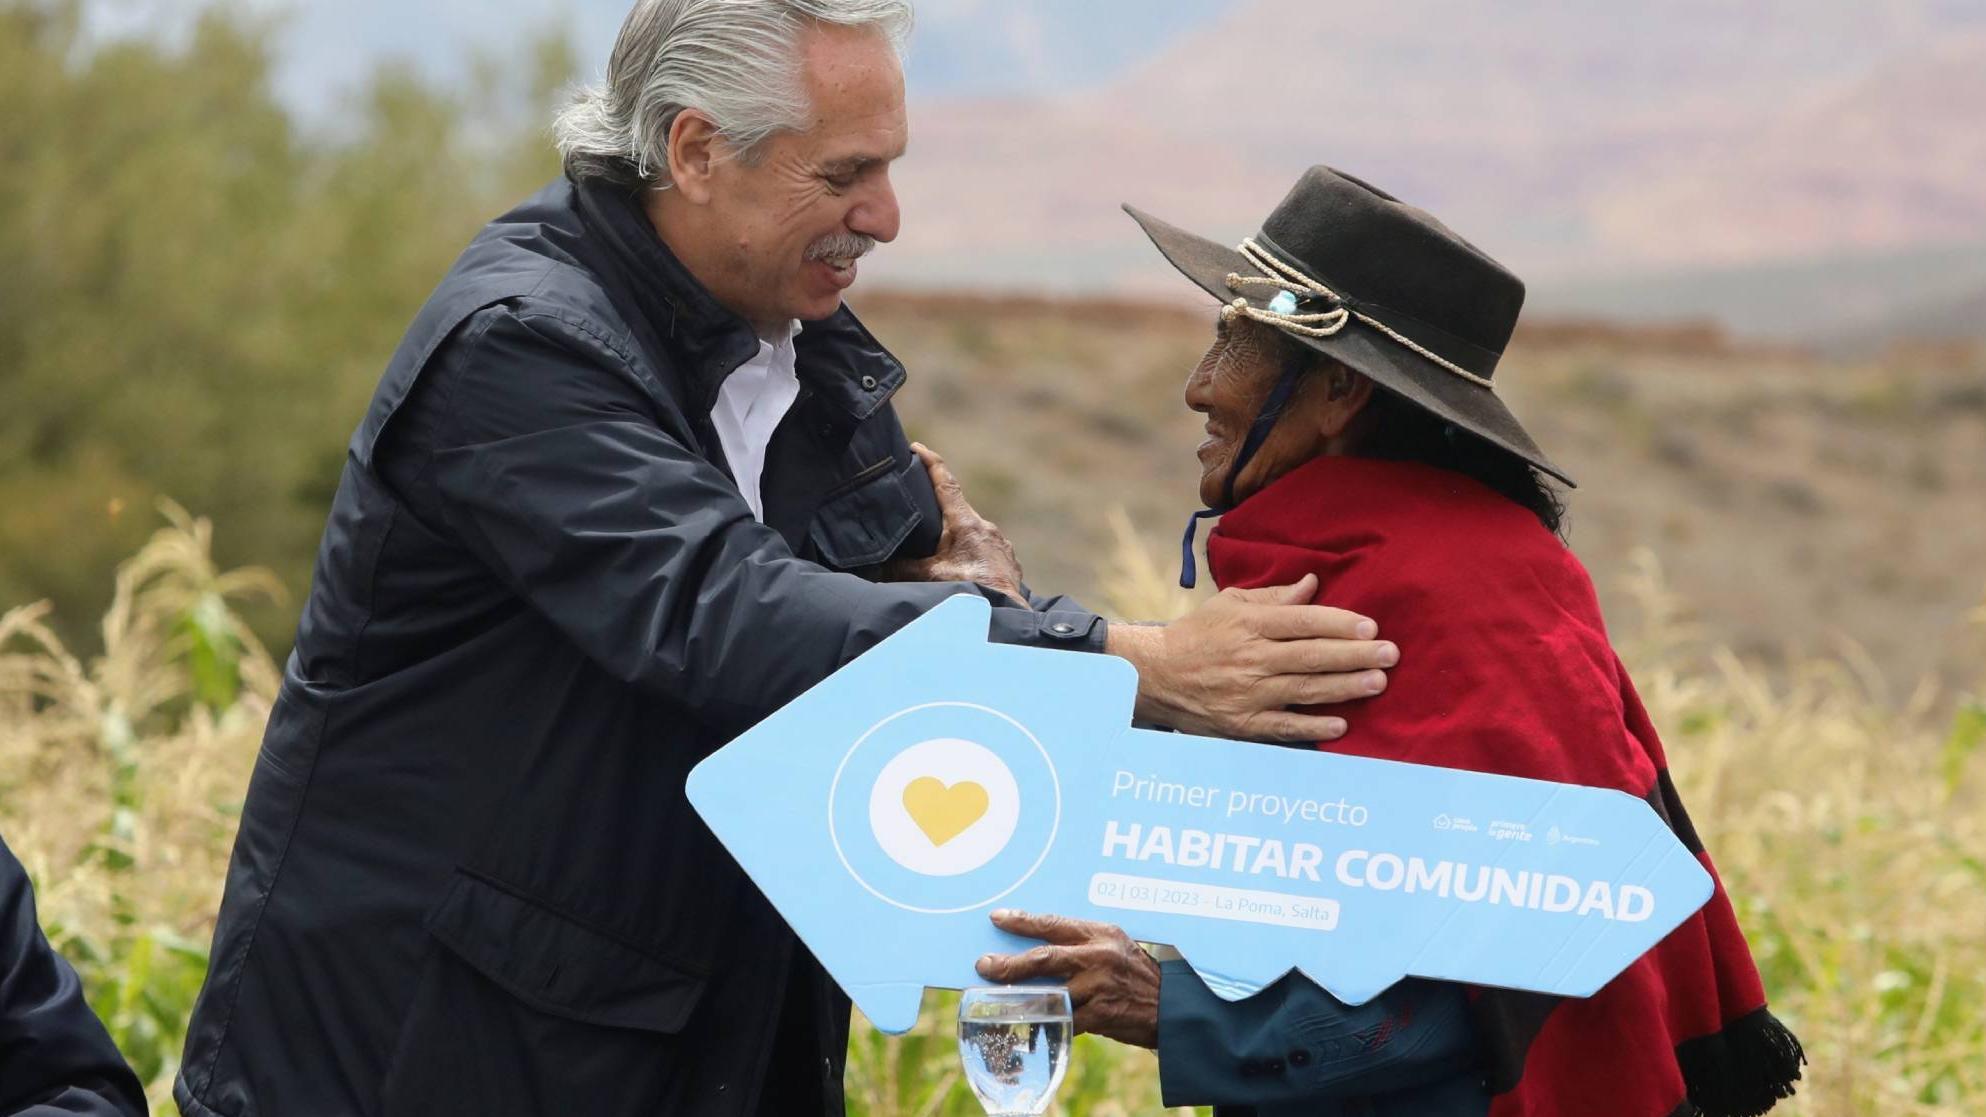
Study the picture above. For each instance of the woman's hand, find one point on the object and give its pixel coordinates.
(1113, 984)
(970, 547)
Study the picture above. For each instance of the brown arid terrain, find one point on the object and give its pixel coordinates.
(1797, 504)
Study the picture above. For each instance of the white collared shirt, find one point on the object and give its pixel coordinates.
(749, 407)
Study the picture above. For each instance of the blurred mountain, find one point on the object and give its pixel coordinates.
(1747, 162)
(1577, 142)
(1896, 158)
(1855, 302)
(1959, 319)
(1949, 319)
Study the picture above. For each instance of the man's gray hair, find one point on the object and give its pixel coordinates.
(736, 61)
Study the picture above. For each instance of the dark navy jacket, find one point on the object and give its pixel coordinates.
(467, 880)
(1294, 1050)
(56, 1060)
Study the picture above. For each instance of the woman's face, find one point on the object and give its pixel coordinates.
(1233, 380)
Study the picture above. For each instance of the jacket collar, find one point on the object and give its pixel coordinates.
(838, 358)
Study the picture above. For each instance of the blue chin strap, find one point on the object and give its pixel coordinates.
(1258, 431)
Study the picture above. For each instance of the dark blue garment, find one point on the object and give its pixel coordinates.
(56, 1060)
(1294, 1050)
(467, 882)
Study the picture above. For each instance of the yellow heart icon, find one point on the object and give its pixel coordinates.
(942, 812)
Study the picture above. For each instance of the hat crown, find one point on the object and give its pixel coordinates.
(1397, 262)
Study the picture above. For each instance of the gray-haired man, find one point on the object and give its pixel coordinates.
(614, 501)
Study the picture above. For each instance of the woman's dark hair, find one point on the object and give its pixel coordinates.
(1399, 431)
(1395, 430)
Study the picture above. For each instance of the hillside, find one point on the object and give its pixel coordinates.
(1792, 502)
(1887, 160)
(1859, 302)
(1953, 318)
(1573, 141)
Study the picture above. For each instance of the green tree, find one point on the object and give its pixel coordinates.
(199, 295)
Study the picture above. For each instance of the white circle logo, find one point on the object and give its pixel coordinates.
(926, 810)
(944, 806)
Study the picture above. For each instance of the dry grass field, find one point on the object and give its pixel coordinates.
(1786, 547)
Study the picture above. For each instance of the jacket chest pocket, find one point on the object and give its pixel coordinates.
(558, 965)
(869, 518)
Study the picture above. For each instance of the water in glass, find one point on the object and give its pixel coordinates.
(1014, 1045)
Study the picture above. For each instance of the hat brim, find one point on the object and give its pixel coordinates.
(1389, 364)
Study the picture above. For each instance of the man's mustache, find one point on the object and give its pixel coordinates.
(841, 246)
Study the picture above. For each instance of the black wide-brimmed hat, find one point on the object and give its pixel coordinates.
(1358, 275)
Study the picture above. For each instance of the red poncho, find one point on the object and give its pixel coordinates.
(1505, 667)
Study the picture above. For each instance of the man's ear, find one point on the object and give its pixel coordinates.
(693, 143)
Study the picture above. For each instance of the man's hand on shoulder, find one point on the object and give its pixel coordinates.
(1231, 668)
(1234, 666)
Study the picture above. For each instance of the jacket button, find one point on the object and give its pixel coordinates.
(868, 383)
(1276, 1066)
(1250, 1067)
(1299, 1058)
(1062, 628)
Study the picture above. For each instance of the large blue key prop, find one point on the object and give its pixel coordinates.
(889, 809)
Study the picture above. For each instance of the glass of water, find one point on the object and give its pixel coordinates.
(1014, 1044)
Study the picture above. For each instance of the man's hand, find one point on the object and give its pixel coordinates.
(1234, 666)
(1113, 984)
(970, 547)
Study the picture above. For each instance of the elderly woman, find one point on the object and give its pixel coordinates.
(1354, 433)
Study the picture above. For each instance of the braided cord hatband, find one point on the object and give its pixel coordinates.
(1324, 323)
